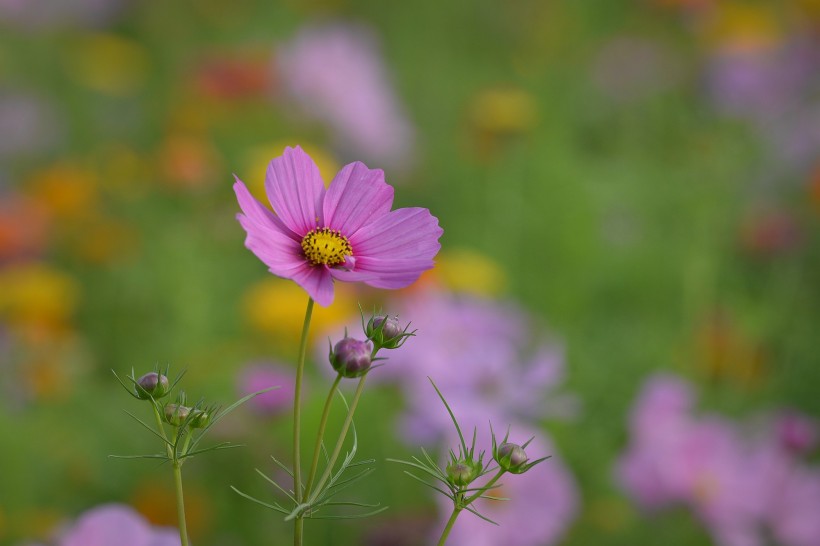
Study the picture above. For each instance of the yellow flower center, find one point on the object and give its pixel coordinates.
(325, 246)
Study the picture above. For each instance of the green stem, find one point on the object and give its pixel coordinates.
(177, 465)
(449, 526)
(183, 528)
(297, 423)
(320, 435)
(341, 440)
(464, 504)
(484, 488)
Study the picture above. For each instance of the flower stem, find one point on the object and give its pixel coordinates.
(297, 423)
(457, 508)
(342, 436)
(449, 526)
(486, 487)
(177, 465)
(320, 435)
(183, 528)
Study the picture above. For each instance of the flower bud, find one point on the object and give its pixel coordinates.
(511, 457)
(460, 473)
(175, 414)
(385, 332)
(351, 357)
(151, 385)
(199, 418)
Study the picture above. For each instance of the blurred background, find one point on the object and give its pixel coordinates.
(630, 266)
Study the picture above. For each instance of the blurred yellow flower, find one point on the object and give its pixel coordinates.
(108, 63)
(742, 27)
(257, 160)
(66, 190)
(496, 116)
(277, 307)
(504, 111)
(464, 270)
(36, 294)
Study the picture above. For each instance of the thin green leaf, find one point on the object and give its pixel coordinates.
(442, 491)
(474, 511)
(276, 485)
(282, 466)
(156, 456)
(453, 417)
(274, 506)
(148, 427)
(353, 516)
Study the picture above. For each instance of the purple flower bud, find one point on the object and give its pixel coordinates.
(460, 473)
(151, 385)
(175, 414)
(511, 457)
(351, 357)
(385, 332)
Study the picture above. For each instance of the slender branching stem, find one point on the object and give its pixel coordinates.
(320, 435)
(342, 436)
(449, 526)
(458, 507)
(177, 465)
(297, 423)
(183, 528)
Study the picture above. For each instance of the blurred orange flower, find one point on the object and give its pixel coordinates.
(66, 190)
(36, 294)
(23, 227)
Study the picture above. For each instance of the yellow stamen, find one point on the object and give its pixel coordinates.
(325, 246)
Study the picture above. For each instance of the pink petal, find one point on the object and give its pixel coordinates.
(295, 190)
(356, 196)
(401, 234)
(277, 250)
(258, 212)
(317, 282)
(385, 273)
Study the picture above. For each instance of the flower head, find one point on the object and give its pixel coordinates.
(346, 232)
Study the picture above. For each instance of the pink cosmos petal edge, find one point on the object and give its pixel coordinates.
(389, 249)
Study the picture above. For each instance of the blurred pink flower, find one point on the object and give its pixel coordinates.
(30, 119)
(345, 233)
(261, 375)
(543, 502)
(335, 72)
(488, 358)
(736, 486)
(110, 524)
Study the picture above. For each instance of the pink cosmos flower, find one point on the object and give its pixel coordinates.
(110, 524)
(262, 375)
(346, 232)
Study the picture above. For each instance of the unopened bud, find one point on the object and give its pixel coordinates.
(511, 457)
(351, 357)
(462, 472)
(385, 332)
(199, 418)
(152, 385)
(175, 414)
